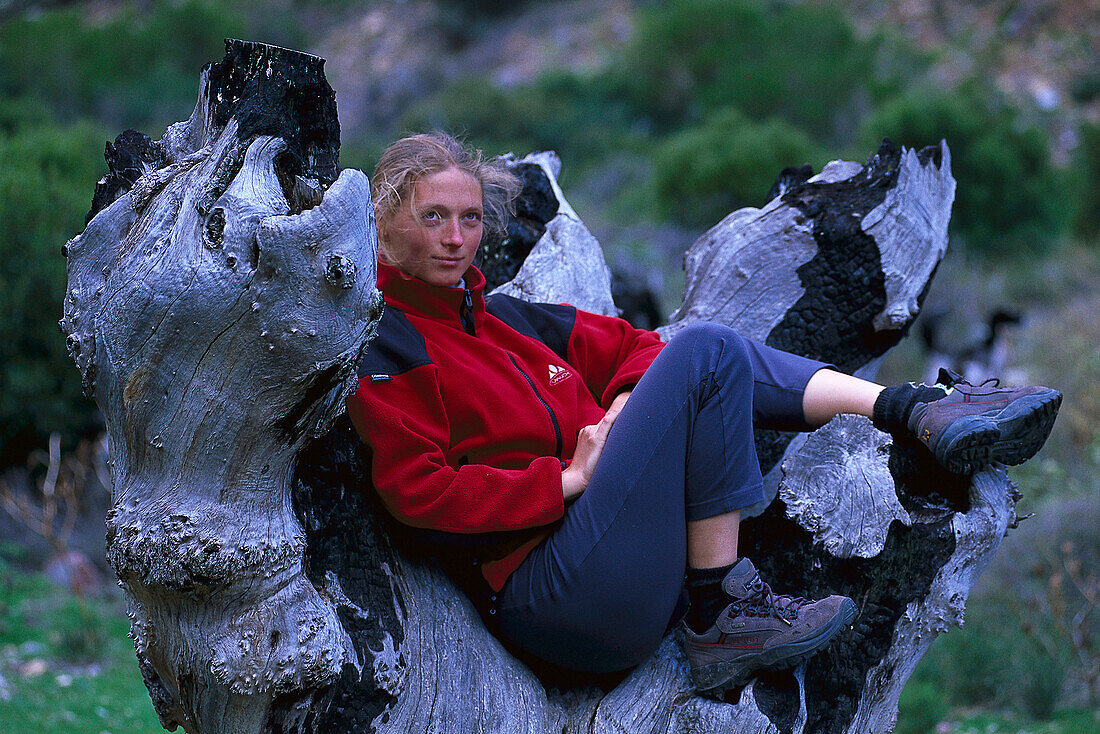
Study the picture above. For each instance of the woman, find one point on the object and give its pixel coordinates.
(580, 466)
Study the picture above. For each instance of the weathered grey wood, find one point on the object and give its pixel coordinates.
(219, 300)
(835, 487)
(754, 269)
(218, 329)
(566, 265)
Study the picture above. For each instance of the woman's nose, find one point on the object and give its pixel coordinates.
(453, 233)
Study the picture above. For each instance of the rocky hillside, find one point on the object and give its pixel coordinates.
(382, 57)
(386, 55)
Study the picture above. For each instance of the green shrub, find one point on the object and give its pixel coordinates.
(797, 61)
(1041, 678)
(967, 665)
(990, 662)
(138, 68)
(1086, 165)
(89, 682)
(922, 706)
(47, 174)
(1009, 197)
(726, 162)
(582, 118)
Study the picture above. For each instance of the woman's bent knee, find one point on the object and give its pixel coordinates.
(713, 345)
(706, 330)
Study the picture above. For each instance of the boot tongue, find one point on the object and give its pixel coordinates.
(739, 581)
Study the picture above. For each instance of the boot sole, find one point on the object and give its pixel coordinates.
(1011, 436)
(717, 678)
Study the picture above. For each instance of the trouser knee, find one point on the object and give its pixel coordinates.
(715, 350)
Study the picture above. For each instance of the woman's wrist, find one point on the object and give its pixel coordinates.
(572, 483)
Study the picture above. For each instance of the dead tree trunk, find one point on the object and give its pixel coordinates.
(218, 303)
(217, 307)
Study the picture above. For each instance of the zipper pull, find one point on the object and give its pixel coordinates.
(468, 312)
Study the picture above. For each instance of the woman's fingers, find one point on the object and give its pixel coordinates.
(590, 443)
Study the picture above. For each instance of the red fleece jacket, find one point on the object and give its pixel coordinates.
(471, 412)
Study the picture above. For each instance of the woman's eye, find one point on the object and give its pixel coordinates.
(431, 216)
(473, 217)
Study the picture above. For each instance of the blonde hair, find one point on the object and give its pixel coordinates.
(414, 156)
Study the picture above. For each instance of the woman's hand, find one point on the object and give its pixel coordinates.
(590, 443)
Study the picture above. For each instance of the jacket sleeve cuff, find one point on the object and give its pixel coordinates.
(625, 381)
(551, 506)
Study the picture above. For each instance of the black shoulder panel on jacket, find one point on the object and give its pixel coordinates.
(397, 347)
(550, 323)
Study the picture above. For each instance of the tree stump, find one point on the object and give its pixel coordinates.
(219, 301)
(218, 304)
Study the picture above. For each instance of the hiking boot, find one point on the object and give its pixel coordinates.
(760, 630)
(973, 426)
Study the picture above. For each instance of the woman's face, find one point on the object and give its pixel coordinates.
(435, 232)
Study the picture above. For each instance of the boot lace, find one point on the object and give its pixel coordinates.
(766, 603)
(950, 378)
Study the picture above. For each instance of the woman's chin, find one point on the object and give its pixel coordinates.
(444, 273)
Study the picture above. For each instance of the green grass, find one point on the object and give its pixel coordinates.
(67, 665)
(1063, 722)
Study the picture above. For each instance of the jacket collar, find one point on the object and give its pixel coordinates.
(413, 295)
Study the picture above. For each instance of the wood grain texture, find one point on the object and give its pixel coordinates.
(218, 329)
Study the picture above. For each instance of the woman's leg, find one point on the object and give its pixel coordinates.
(830, 393)
(679, 462)
(825, 393)
(966, 427)
(712, 541)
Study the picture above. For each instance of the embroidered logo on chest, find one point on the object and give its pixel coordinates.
(558, 373)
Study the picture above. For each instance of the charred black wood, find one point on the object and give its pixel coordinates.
(501, 255)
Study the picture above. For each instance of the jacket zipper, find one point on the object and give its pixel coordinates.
(549, 410)
(468, 312)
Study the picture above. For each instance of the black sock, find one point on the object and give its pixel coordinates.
(895, 403)
(704, 587)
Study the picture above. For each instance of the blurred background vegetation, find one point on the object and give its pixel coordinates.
(667, 116)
